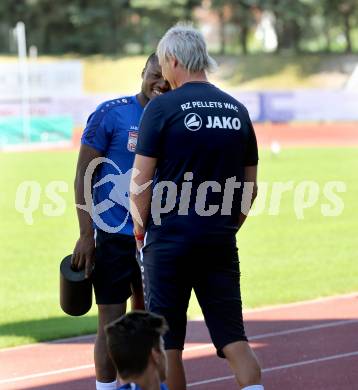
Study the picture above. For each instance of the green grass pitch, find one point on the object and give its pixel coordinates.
(283, 259)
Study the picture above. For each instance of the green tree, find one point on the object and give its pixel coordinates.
(239, 13)
(243, 19)
(343, 12)
(291, 18)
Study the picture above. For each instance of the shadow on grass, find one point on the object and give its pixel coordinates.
(48, 328)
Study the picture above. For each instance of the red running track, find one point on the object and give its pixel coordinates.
(335, 134)
(310, 345)
(339, 134)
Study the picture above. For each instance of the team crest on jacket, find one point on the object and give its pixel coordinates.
(132, 140)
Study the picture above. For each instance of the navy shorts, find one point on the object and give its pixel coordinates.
(116, 269)
(171, 270)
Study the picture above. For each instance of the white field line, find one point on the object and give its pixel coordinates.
(44, 343)
(282, 333)
(218, 379)
(261, 309)
(303, 303)
(283, 367)
(198, 347)
(294, 304)
(48, 373)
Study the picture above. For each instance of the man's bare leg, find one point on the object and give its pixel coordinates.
(243, 363)
(176, 375)
(105, 370)
(137, 299)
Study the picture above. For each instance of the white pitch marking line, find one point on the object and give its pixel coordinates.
(50, 342)
(293, 304)
(198, 347)
(283, 367)
(48, 373)
(304, 329)
(302, 303)
(283, 332)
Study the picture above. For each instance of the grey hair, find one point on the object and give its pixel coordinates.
(188, 46)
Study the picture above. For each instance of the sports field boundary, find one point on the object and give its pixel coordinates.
(207, 381)
(288, 135)
(197, 318)
(300, 345)
(292, 304)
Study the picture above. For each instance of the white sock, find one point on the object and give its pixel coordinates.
(254, 387)
(106, 385)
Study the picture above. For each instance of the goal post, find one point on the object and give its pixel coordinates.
(20, 36)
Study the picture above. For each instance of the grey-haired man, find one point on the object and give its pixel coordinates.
(199, 146)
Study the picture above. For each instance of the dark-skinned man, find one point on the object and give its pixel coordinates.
(106, 246)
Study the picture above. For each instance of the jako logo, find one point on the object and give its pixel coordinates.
(226, 122)
(193, 122)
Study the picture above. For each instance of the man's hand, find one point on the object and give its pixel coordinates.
(140, 244)
(141, 194)
(83, 254)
